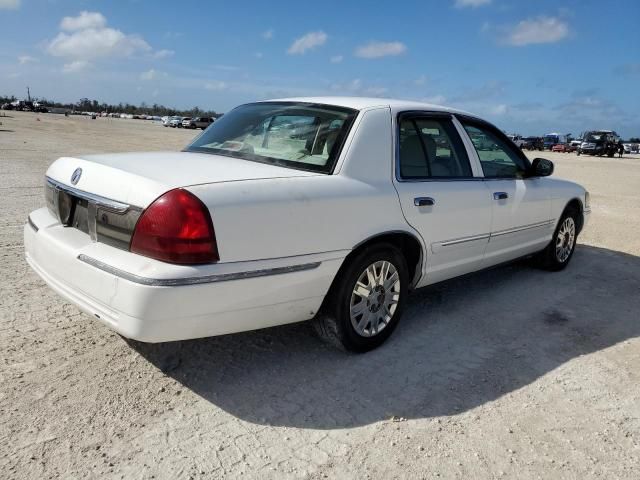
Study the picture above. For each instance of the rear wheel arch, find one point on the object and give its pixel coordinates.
(408, 244)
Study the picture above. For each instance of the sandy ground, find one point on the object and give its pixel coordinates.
(513, 373)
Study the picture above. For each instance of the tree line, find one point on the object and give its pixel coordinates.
(86, 105)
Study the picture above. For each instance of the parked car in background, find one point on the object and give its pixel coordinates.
(254, 225)
(167, 121)
(631, 147)
(600, 142)
(533, 143)
(176, 122)
(560, 147)
(186, 122)
(517, 140)
(574, 145)
(551, 139)
(199, 122)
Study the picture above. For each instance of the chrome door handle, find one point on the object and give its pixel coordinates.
(424, 201)
(500, 195)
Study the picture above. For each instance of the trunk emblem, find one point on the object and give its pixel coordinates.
(75, 176)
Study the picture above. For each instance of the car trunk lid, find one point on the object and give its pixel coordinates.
(139, 178)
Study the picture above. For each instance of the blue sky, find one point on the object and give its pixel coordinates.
(528, 66)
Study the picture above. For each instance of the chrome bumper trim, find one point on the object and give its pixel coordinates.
(174, 282)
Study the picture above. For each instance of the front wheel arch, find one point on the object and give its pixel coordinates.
(575, 204)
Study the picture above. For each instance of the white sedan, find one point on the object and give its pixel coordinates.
(329, 209)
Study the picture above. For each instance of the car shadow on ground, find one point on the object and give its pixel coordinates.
(459, 345)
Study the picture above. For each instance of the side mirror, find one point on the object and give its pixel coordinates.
(541, 167)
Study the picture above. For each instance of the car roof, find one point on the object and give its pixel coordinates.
(362, 103)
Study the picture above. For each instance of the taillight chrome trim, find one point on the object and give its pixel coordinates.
(102, 202)
(176, 282)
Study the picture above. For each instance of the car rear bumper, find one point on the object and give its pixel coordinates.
(151, 301)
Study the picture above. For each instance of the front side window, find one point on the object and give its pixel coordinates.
(497, 157)
(297, 135)
(431, 148)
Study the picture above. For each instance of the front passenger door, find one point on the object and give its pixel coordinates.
(521, 222)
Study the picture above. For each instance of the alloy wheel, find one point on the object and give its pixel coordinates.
(565, 239)
(374, 298)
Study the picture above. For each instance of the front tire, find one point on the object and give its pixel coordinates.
(366, 300)
(563, 243)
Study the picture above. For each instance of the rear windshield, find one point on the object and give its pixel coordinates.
(297, 135)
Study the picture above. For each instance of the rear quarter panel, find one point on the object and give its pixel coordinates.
(281, 217)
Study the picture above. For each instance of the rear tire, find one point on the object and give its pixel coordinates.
(366, 300)
(558, 253)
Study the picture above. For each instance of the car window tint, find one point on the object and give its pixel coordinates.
(498, 159)
(431, 148)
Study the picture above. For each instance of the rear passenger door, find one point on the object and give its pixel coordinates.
(441, 193)
(521, 222)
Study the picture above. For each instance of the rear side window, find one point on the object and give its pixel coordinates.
(430, 148)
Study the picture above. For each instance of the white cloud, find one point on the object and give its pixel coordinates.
(356, 87)
(375, 91)
(95, 43)
(9, 4)
(226, 68)
(83, 21)
(164, 53)
(471, 3)
(75, 66)
(336, 59)
(24, 59)
(435, 99)
(215, 85)
(268, 34)
(500, 109)
(148, 75)
(537, 30)
(173, 35)
(89, 38)
(307, 42)
(380, 49)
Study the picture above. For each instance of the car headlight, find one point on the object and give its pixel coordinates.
(587, 201)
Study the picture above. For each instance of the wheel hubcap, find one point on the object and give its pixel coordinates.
(565, 239)
(374, 299)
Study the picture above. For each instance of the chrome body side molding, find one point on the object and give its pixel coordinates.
(547, 223)
(174, 282)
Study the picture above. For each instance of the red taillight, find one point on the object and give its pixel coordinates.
(176, 228)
